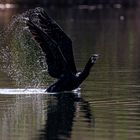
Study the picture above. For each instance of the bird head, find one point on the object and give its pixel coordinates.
(93, 58)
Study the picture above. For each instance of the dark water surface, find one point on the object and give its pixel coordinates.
(108, 107)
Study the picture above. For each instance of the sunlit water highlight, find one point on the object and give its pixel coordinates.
(7, 6)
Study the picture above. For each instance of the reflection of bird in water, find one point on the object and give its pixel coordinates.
(61, 116)
(57, 47)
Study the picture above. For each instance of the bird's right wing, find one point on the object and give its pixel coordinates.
(55, 60)
(58, 35)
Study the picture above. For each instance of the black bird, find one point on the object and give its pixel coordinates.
(57, 47)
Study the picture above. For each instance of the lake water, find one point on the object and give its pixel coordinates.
(108, 105)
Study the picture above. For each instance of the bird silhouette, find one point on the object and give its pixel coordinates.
(57, 47)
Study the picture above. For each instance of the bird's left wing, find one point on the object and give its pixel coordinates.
(54, 57)
(58, 35)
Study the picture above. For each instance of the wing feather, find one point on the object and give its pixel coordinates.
(57, 34)
(55, 61)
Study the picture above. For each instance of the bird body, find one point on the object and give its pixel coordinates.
(57, 47)
(70, 81)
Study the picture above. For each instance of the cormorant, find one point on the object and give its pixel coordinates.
(57, 47)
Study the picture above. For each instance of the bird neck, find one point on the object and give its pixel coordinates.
(84, 74)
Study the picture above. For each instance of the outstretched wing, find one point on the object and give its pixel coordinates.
(58, 35)
(55, 59)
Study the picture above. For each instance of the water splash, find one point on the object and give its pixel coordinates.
(20, 56)
(29, 91)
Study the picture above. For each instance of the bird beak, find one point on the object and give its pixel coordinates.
(96, 56)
